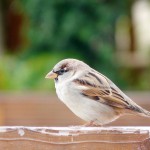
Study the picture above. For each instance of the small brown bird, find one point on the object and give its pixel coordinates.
(90, 95)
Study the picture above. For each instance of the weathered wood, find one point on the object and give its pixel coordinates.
(72, 138)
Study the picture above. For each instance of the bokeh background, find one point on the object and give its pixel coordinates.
(111, 36)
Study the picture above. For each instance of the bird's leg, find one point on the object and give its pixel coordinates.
(92, 124)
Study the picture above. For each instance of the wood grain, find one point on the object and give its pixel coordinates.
(93, 138)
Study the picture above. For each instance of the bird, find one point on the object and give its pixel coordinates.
(90, 95)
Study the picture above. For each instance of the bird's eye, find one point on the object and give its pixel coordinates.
(61, 71)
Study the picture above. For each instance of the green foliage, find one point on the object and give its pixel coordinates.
(26, 74)
(29, 73)
(84, 27)
(60, 29)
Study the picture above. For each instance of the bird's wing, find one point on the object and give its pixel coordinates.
(97, 87)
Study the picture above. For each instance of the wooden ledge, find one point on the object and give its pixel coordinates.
(92, 138)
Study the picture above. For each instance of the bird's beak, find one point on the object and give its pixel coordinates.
(51, 75)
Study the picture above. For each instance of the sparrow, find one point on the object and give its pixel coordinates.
(90, 95)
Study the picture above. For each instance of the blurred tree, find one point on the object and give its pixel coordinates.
(82, 27)
(13, 21)
(1, 31)
(67, 25)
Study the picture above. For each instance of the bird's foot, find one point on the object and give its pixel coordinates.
(92, 124)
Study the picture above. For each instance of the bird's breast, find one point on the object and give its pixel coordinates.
(67, 94)
(84, 107)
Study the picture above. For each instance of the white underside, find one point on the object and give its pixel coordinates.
(85, 108)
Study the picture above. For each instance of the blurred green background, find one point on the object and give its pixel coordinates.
(111, 36)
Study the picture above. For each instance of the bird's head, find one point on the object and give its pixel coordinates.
(65, 69)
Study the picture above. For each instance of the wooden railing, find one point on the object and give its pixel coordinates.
(74, 138)
(19, 111)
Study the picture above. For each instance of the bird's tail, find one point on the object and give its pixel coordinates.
(140, 111)
(144, 113)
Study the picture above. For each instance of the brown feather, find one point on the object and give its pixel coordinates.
(106, 99)
(101, 91)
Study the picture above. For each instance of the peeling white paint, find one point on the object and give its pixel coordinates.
(63, 133)
(74, 131)
(3, 130)
(21, 132)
